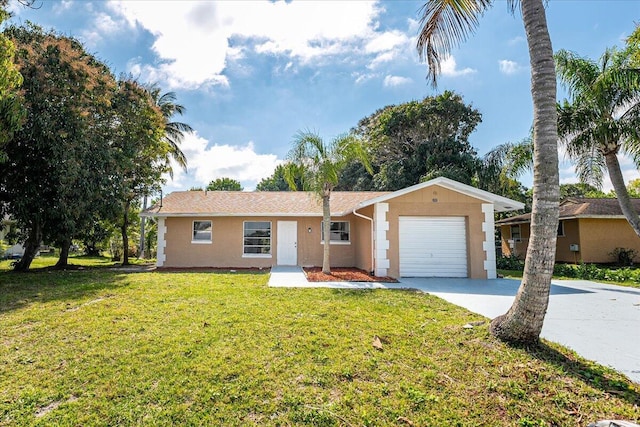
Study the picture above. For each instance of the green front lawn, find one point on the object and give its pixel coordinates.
(102, 347)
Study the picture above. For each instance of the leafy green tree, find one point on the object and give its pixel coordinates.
(224, 184)
(318, 165)
(601, 119)
(581, 190)
(634, 188)
(277, 181)
(57, 173)
(416, 141)
(444, 24)
(12, 112)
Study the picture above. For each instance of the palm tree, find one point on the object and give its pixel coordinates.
(173, 136)
(602, 119)
(317, 165)
(173, 131)
(444, 24)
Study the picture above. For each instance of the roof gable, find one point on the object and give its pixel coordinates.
(501, 204)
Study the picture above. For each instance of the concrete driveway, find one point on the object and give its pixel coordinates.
(600, 322)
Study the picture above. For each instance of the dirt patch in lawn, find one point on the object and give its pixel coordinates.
(315, 274)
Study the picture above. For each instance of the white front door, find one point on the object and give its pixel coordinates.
(287, 243)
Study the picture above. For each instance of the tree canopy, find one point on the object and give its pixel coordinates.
(225, 184)
(416, 141)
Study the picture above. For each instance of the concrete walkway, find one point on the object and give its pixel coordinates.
(600, 322)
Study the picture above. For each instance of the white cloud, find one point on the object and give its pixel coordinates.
(392, 81)
(207, 162)
(386, 41)
(363, 77)
(516, 40)
(509, 67)
(448, 67)
(103, 24)
(193, 39)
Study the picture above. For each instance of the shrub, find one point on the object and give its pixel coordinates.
(509, 263)
(623, 256)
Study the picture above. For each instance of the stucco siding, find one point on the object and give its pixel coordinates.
(596, 239)
(226, 247)
(601, 236)
(439, 201)
(362, 239)
(519, 249)
(571, 237)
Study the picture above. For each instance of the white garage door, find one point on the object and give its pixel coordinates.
(433, 247)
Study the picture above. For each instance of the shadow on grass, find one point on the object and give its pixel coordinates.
(19, 290)
(595, 375)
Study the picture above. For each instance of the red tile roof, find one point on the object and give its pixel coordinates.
(576, 207)
(258, 203)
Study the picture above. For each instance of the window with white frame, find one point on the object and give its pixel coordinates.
(339, 232)
(561, 229)
(257, 238)
(515, 233)
(202, 232)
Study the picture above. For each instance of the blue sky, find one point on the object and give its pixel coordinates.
(252, 74)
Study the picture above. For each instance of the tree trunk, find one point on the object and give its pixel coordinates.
(615, 174)
(63, 261)
(125, 238)
(326, 232)
(30, 248)
(143, 221)
(523, 322)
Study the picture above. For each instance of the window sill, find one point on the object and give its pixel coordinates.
(337, 242)
(256, 255)
(201, 242)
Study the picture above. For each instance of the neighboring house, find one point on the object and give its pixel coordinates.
(588, 231)
(439, 228)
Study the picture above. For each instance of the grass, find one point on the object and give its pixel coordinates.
(102, 347)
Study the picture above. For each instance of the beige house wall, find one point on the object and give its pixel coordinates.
(596, 239)
(571, 237)
(361, 237)
(226, 248)
(600, 236)
(439, 201)
(520, 247)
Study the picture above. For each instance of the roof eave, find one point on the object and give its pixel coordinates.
(501, 204)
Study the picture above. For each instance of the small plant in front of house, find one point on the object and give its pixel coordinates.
(511, 262)
(623, 256)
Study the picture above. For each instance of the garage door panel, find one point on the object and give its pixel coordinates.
(433, 247)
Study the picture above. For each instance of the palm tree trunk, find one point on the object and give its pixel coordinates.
(523, 322)
(326, 232)
(615, 174)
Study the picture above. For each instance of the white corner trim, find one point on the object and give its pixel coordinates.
(381, 242)
(488, 245)
(162, 243)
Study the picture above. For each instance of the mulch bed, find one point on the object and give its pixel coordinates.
(315, 274)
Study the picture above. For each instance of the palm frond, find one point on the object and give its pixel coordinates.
(444, 25)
